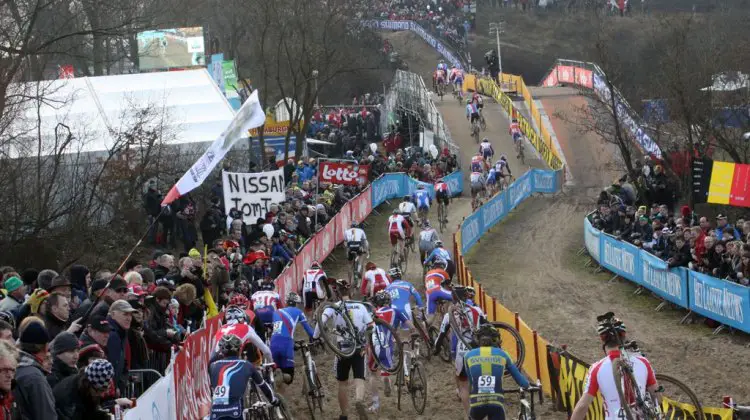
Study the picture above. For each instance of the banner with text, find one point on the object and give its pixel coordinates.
(192, 383)
(670, 284)
(252, 193)
(344, 173)
(720, 300)
(407, 25)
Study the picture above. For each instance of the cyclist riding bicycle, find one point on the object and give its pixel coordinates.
(236, 324)
(266, 301)
(396, 318)
(375, 280)
(491, 180)
(230, 376)
(427, 238)
(282, 339)
(402, 292)
(486, 150)
(477, 163)
(314, 286)
(362, 320)
(515, 130)
(600, 378)
(441, 253)
(477, 99)
(472, 112)
(442, 193)
(356, 245)
(457, 78)
(484, 367)
(442, 66)
(439, 77)
(500, 165)
(437, 283)
(477, 181)
(422, 199)
(399, 228)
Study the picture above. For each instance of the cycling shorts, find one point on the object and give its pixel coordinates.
(487, 153)
(355, 363)
(459, 81)
(441, 80)
(265, 314)
(353, 253)
(282, 350)
(424, 206)
(480, 106)
(491, 180)
(461, 351)
(433, 297)
(395, 237)
(310, 298)
(406, 310)
(488, 412)
(516, 136)
(474, 116)
(476, 187)
(442, 196)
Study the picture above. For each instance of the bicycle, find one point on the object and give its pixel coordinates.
(397, 254)
(475, 131)
(520, 156)
(423, 329)
(442, 218)
(356, 273)
(433, 331)
(482, 121)
(413, 377)
(280, 412)
(345, 340)
(312, 388)
(527, 411)
(440, 91)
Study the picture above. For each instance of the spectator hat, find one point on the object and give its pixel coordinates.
(137, 290)
(98, 285)
(92, 350)
(13, 284)
(157, 253)
(99, 373)
(59, 281)
(135, 304)
(721, 217)
(643, 219)
(117, 282)
(194, 253)
(36, 299)
(121, 306)
(29, 276)
(99, 323)
(65, 341)
(642, 208)
(34, 333)
(162, 293)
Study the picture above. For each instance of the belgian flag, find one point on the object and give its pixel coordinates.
(721, 183)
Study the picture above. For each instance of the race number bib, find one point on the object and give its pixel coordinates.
(430, 284)
(277, 327)
(393, 293)
(221, 395)
(486, 384)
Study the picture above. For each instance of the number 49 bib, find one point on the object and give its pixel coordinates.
(486, 384)
(221, 395)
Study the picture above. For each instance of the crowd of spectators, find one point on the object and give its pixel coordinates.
(641, 213)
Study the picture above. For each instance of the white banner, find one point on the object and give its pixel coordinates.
(157, 403)
(249, 116)
(252, 193)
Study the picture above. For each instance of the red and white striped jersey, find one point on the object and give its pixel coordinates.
(265, 298)
(601, 379)
(312, 279)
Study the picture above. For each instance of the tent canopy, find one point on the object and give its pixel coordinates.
(187, 104)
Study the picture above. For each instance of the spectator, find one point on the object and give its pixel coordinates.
(213, 222)
(62, 286)
(8, 366)
(163, 271)
(157, 331)
(44, 280)
(98, 287)
(64, 350)
(117, 289)
(133, 277)
(57, 314)
(32, 392)
(36, 305)
(16, 294)
(190, 313)
(80, 396)
(6, 332)
(97, 331)
(722, 225)
(139, 355)
(80, 280)
(120, 317)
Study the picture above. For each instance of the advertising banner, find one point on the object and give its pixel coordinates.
(345, 173)
(455, 183)
(551, 79)
(66, 71)
(572, 377)
(412, 185)
(287, 280)
(471, 230)
(544, 181)
(494, 210)
(387, 187)
(325, 240)
(364, 174)
(216, 71)
(304, 259)
(720, 300)
(584, 77)
(402, 25)
(343, 221)
(591, 239)
(252, 193)
(229, 74)
(519, 190)
(565, 74)
(619, 257)
(191, 374)
(669, 284)
(361, 207)
(157, 403)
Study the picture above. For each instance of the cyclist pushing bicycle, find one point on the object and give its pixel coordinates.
(486, 150)
(619, 367)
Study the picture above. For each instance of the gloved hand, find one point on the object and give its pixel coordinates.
(276, 401)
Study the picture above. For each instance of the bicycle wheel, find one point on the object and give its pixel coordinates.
(425, 349)
(625, 384)
(385, 346)
(461, 325)
(678, 392)
(399, 385)
(342, 340)
(418, 387)
(483, 123)
(511, 341)
(445, 349)
(309, 398)
(282, 410)
(405, 261)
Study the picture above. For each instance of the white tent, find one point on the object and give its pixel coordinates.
(187, 104)
(728, 81)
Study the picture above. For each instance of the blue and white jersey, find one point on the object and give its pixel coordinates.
(421, 199)
(285, 321)
(401, 292)
(439, 253)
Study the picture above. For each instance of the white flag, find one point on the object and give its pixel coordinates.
(249, 116)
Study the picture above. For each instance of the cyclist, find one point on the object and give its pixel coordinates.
(241, 301)
(423, 201)
(230, 377)
(398, 228)
(436, 284)
(439, 78)
(501, 164)
(457, 77)
(477, 99)
(442, 193)
(375, 280)
(486, 150)
(484, 367)
(236, 324)
(442, 66)
(477, 181)
(477, 163)
(427, 238)
(491, 182)
(314, 286)
(401, 292)
(363, 322)
(601, 379)
(441, 253)
(266, 301)
(515, 130)
(385, 311)
(282, 339)
(356, 245)
(472, 113)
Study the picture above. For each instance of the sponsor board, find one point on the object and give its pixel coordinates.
(252, 193)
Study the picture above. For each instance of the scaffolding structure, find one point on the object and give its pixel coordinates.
(409, 94)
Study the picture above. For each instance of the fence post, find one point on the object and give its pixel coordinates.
(518, 322)
(494, 310)
(536, 355)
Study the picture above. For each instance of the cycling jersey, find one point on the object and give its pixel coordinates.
(265, 302)
(601, 379)
(515, 128)
(434, 278)
(374, 281)
(427, 239)
(485, 148)
(477, 163)
(407, 207)
(441, 187)
(230, 378)
(355, 238)
(499, 165)
(484, 367)
(396, 225)
(440, 75)
(438, 253)
(312, 282)
(383, 340)
(422, 198)
(455, 74)
(359, 315)
(491, 176)
(401, 293)
(246, 334)
(282, 339)
(472, 110)
(476, 178)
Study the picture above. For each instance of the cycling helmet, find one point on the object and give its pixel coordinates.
(439, 262)
(438, 243)
(487, 331)
(235, 314)
(395, 211)
(355, 224)
(486, 139)
(470, 292)
(609, 325)
(503, 157)
(315, 265)
(382, 298)
(407, 198)
(268, 286)
(342, 284)
(426, 223)
(9, 318)
(230, 344)
(293, 299)
(239, 300)
(395, 272)
(370, 266)
(468, 101)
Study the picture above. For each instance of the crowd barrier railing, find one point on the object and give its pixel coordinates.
(720, 300)
(592, 77)
(561, 374)
(183, 392)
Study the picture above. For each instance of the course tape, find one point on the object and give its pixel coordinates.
(714, 298)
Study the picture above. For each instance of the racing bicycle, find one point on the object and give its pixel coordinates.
(257, 405)
(312, 388)
(520, 153)
(400, 254)
(442, 216)
(413, 376)
(475, 131)
(280, 412)
(482, 121)
(422, 214)
(344, 339)
(356, 270)
(440, 90)
(527, 411)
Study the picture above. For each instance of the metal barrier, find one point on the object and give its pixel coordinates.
(139, 380)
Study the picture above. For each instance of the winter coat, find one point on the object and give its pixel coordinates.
(59, 372)
(71, 403)
(33, 393)
(117, 348)
(54, 325)
(155, 329)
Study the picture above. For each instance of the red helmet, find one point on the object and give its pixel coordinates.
(370, 266)
(240, 300)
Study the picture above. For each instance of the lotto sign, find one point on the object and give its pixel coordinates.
(346, 173)
(252, 193)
